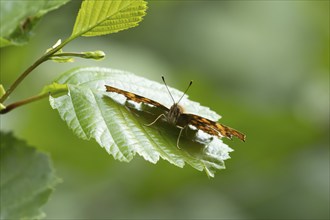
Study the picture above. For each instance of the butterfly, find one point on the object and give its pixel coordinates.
(176, 116)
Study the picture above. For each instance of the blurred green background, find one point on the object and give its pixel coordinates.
(262, 65)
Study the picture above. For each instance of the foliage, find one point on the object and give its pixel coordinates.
(16, 25)
(27, 179)
(263, 65)
(80, 98)
(26, 176)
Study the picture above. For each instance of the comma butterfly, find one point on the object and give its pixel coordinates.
(176, 117)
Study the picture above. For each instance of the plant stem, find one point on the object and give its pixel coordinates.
(21, 77)
(70, 54)
(23, 102)
(42, 59)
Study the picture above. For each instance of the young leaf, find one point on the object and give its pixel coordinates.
(18, 19)
(103, 17)
(55, 89)
(27, 179)
(119, 126)
(2, 90)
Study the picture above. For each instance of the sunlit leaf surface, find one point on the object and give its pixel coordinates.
(118, 125)
(102, 17)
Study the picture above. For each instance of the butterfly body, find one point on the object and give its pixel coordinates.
(174, 114)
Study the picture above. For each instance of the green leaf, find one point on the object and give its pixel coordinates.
(55, 90)
(18, 19)
(103, 17)
(62, 59)
(27, 179)
(65, 57)
(4, 42)
(119, 126)
(2, 106)
(2, 90)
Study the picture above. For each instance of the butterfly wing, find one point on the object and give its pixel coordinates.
(136, 98)
(210, 127)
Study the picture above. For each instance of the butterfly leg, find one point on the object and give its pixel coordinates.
(162, 115)
(177, 141)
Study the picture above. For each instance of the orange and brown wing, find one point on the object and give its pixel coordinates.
(134, 97)
(210, 127)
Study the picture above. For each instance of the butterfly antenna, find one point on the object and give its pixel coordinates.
(168, 89)
(185, 91)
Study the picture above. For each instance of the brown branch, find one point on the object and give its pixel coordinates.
(23, 102)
